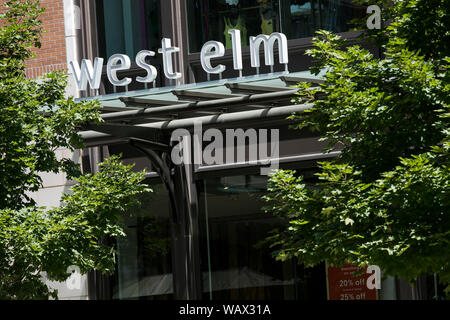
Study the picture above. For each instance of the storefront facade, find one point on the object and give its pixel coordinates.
(126, 27)
(201, 239)
(199, 234)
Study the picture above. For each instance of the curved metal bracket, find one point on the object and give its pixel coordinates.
(162, 167)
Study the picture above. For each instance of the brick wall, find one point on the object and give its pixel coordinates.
(52, 54)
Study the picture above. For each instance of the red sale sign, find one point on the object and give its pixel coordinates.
(344, 285)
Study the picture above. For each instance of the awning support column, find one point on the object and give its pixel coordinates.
(178, 180)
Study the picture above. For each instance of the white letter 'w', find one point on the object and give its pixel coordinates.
(87, 73)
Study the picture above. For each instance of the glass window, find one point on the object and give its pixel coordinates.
(211, 19)
(128, 26)
(301, 18)
(234, 264)
(144, 259)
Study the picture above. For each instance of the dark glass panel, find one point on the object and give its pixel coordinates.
(144, 259)
(128, 26)
(235, 265)
(211, 19)
(301, 18)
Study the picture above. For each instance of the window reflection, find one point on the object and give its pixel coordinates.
(127, 26)
(144, 266)
(303, 17)
(235, 265)
(211, 19)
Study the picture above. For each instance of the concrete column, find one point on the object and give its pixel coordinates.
(72, 31)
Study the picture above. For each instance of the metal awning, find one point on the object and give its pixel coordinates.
(228, 101)
(144, 120)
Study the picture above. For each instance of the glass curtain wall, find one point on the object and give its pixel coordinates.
(144, 259)
(235, 263)
(303, 17)
(211, 19)
(128, 26)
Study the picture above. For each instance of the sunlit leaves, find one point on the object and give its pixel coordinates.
(33, 240)
(386, 199)
(36, 119)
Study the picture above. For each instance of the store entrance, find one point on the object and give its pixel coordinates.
(236, 264)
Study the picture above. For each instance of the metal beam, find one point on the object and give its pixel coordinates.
(292, 81)
(192, 95)
(245, 88)
(117, 109)
(95, 138)
(202, 105)
(227, 118)
(281, 160)
(147, 102)
(124, 131)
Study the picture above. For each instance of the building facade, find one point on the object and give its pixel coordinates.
(59, 24)
(198, 235)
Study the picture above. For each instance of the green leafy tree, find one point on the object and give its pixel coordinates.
(385, 200)
(35, 120)
(424, 24)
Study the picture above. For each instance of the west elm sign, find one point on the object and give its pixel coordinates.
(210, 50)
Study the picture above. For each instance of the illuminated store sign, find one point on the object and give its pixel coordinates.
(210, 50)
